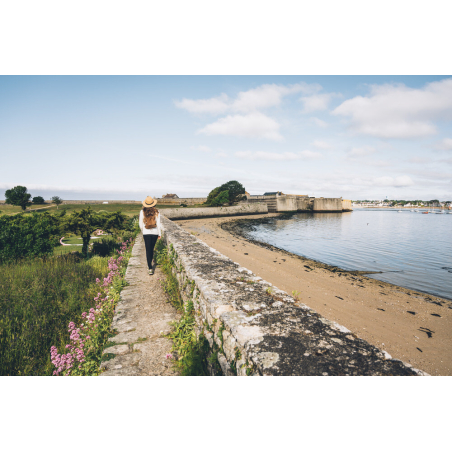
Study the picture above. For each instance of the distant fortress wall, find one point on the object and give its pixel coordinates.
(179, 201)
(302, 203)
(327, 205)
(96, 201)
(347, 205)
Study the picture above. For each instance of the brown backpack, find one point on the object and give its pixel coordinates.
(150, 222)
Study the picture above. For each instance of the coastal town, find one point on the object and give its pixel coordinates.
(402, 203)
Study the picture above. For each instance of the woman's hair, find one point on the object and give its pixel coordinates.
(150, 211)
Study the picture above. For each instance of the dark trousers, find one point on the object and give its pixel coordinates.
(149, 242)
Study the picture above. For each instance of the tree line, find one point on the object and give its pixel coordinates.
(19, 196)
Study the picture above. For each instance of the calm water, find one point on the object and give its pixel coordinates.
(412, 249)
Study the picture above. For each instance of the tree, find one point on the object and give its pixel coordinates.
(221, 199)
(57, 200)
(236, 192)
(212, 195)
(18, 196)
(38, 200)
(86, 221)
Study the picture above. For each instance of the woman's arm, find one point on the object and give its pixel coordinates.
(140, 221)
(159, 226)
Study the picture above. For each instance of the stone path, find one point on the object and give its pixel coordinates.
(141, 315)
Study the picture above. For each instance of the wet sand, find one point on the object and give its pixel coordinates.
(410, 325)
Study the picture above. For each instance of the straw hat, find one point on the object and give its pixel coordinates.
(149, 202)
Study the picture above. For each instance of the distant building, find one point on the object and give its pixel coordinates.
(273, 193)
(170, 196)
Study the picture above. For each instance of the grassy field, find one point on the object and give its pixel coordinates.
(60, 250)
(127, 209)
(38, 298)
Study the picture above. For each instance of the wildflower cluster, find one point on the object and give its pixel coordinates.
(87, 340)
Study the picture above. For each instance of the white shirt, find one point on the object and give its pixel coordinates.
(154, 231)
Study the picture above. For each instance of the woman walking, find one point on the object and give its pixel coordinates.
(150, 227)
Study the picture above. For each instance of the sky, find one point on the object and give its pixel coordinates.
(127, 137)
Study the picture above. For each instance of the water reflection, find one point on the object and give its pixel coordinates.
(413, 250)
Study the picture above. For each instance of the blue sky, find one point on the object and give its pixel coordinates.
(125, 137)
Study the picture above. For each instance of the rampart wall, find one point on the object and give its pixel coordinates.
(179, 201)
(199, 212)
(259, 329)
(96, 201)
(327, 205)
(347, 205)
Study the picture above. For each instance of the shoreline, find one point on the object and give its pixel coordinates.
(411, 325)
(231, 227)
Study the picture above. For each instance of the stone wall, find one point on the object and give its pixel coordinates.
(179, 201)
(97, 201)
(200, 212)
(261, 330)
(328, 205)
(347, 205)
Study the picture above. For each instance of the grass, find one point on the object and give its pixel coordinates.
(60, 250)
(8, 210)
(38, 298)
(127, 209)
(79, 241)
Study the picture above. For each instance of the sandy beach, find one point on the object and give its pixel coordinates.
(410, 325)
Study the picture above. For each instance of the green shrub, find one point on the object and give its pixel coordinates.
(127, 235)
(105, 246)
(33, 235)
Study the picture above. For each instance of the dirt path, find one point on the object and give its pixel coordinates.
(412, 326)
(141, 315)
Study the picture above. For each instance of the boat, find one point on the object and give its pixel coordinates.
(425, 211)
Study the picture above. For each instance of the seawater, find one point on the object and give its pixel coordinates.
(412, 249)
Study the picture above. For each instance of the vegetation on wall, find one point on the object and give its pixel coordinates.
(190, 351)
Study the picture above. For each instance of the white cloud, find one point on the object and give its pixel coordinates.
(264, 96)
(261, 155)
(200, 148)
(221, 154)
(319, 123)
(360, 152)
(418, 160)
(246, 118)
(214, 105)
(445, 145)
(387, 181)
(253, 125)
(318, 144)
(397, 111)
(317, 102)
(310, 155)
